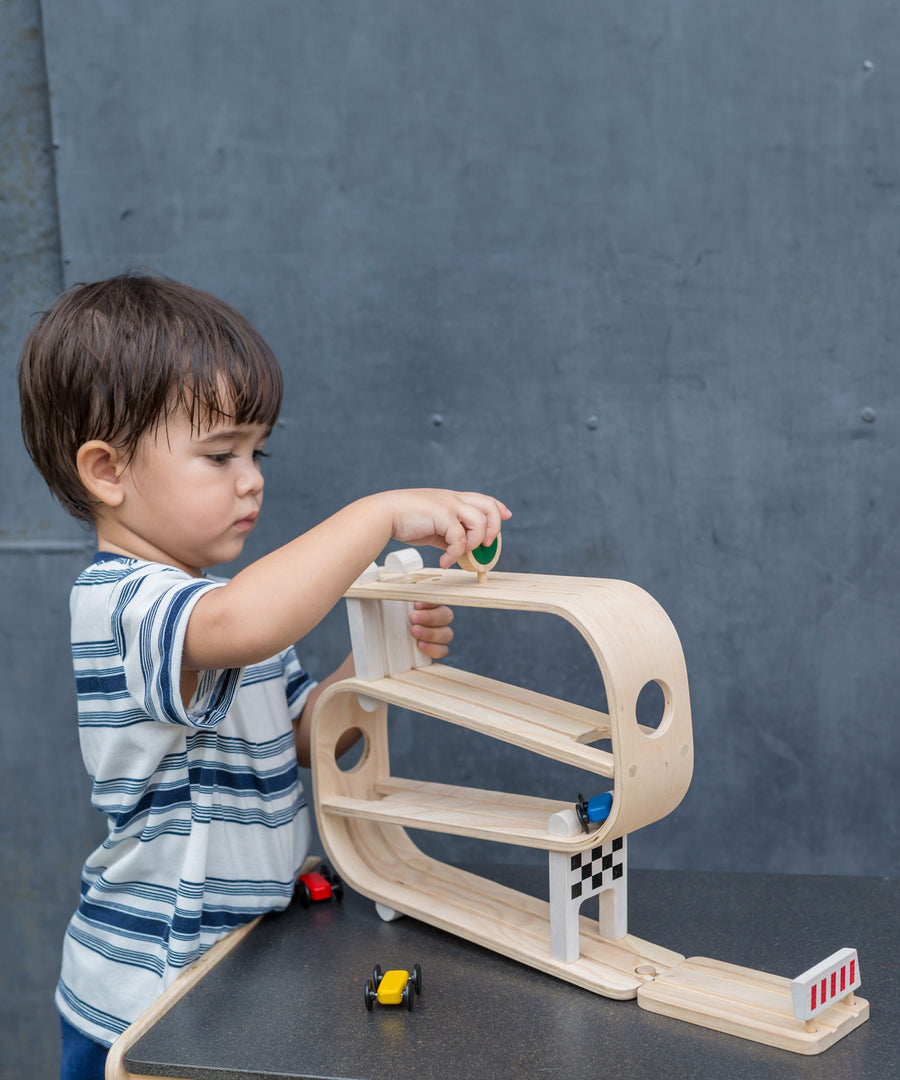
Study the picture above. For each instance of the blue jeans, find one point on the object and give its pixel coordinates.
(82, 1058)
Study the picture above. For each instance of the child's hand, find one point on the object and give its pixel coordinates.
(457, 521)
(431, 628)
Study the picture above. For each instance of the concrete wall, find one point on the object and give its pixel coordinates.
(46, 824)
(634, 268)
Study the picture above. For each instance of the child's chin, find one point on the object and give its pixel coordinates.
(215, 555)
(227, 553)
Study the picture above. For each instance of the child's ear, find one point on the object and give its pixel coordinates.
(100, 467)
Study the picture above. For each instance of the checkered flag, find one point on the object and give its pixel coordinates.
(598, 871)
(591, 871)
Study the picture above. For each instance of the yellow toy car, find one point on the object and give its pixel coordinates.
(394, 987)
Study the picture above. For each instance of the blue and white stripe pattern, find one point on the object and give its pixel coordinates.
(207, 819)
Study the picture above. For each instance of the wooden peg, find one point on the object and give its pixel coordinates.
(482, 559)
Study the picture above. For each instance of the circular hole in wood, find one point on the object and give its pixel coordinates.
(652, 706)
(356, 754)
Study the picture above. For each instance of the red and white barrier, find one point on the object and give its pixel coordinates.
(823, 985)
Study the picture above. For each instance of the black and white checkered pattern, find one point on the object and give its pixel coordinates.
(594, 870)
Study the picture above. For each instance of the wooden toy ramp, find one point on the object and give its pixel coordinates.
(364, 812)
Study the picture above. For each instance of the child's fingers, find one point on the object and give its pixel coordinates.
(436, 650)
(433, 635)
(432, 651)
(490, 513)
(431, 615)
(431, 628)
(456, 540)
(477, 515)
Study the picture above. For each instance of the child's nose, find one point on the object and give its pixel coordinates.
(250, 479)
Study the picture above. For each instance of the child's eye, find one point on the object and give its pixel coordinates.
(259, 454)
(220, 459)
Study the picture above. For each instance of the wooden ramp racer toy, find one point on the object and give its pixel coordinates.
(364, 812)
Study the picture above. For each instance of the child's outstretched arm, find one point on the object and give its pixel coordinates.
(279, 598)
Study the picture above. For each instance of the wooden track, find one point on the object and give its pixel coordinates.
(747, 1003)
(363, 812)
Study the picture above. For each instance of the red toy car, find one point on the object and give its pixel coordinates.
(320, 884)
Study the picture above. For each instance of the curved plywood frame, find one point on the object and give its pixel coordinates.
(363, 812)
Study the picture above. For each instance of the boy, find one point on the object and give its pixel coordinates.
(146, 406)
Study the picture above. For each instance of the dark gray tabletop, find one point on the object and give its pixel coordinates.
(288, 1000)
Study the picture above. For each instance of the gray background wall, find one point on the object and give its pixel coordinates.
(633, 267)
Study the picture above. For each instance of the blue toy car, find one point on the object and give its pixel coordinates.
(593, 811)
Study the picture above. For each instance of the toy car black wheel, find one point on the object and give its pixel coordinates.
(370, 994)
(304, 894)
(377, 976)
(409, 995)
(581, 812)
(417, 978)
(325, 872)
(337, 887)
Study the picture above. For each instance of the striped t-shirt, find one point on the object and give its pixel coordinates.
(207, 818)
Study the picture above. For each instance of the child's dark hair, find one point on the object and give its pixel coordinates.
(112, 359)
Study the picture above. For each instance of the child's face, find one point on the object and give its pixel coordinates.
(192, 497)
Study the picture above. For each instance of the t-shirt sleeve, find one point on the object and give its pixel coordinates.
(297, 682)
(149, 617)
